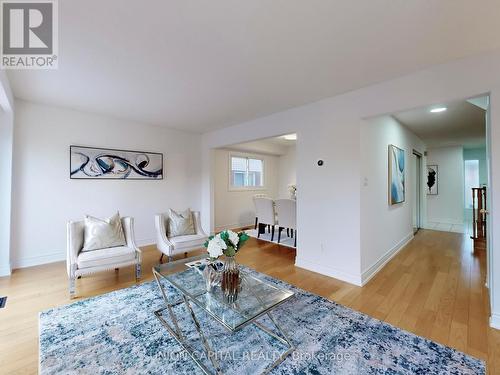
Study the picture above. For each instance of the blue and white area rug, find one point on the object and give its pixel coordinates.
(117, 333)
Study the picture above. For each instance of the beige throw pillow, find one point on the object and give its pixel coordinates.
(103, 233)
(180, 223)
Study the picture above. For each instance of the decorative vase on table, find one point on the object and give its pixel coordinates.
(212, 275)
(227, 243)
(230, 283)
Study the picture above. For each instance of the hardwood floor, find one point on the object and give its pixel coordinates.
(434, 287)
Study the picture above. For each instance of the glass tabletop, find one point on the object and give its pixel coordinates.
(257, 297)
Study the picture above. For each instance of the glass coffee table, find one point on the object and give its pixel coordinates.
(256, 299)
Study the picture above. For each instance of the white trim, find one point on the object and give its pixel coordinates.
(57, 257)
(445, 221)
(384, 259)
(5, 270)
(328, 271)
(495, 321)
(145, 242)
(39, 260)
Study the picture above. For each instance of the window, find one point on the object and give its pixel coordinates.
(246, 172)
(471, 175)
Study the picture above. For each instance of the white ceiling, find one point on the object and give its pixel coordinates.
(462, 124)
(201, 65)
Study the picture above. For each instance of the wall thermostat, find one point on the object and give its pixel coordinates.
(320, 162)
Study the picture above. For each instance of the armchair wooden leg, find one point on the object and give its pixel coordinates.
(295, 242)
(138, 272)
(272, 233)
(117, 269)
(279, 233)
(72, 287)
(256, 222)
(185, 255)
(288, 232)
(161, 258)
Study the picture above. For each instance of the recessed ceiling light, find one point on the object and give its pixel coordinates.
(290, 137)
(437, 110)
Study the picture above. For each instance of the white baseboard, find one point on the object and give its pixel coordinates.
(445, 221)
(5, 270)
(495, 321)
(379, 264)
(145, 242)
(328, 271)
(38, 260)
(56, 257)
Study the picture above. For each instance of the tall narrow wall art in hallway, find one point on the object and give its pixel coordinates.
(396, 175)
(432, 180)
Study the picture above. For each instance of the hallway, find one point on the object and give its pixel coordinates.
(434, 288)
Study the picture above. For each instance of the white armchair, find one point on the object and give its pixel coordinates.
(171, 246)
(84, 263)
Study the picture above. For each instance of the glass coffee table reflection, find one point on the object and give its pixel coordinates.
(256, 299)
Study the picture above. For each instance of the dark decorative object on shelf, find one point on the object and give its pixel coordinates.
(3, 301)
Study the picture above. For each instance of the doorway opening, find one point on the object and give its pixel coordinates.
(417, 185)
(255, 189)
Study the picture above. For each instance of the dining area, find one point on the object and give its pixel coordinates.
(276, 219)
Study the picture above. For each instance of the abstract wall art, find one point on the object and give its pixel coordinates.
(108, 164)
(432, 180)
(396, 175)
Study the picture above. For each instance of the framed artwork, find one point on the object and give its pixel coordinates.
(396, 175)
(432, 180)
(109, 164)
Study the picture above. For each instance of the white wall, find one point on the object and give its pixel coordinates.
(287, 171)
(329, 197)
(235, 208)
(384, 228)
(480, 155)
(6, 142)
(448, 206)
(44, 197)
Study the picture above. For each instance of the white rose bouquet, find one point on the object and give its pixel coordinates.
(226, 242)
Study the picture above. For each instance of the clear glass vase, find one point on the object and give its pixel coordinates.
(230, 283)
(211, 274)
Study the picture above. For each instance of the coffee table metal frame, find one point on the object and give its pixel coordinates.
(177, 334)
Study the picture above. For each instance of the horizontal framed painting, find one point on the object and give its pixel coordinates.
(109, 164)
(432, 180)
(396, 175)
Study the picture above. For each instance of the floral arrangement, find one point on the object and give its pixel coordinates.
(226, 242)
(292, 189)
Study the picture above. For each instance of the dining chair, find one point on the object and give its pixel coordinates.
(286, 210)
(264, 211)
(256, 217)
